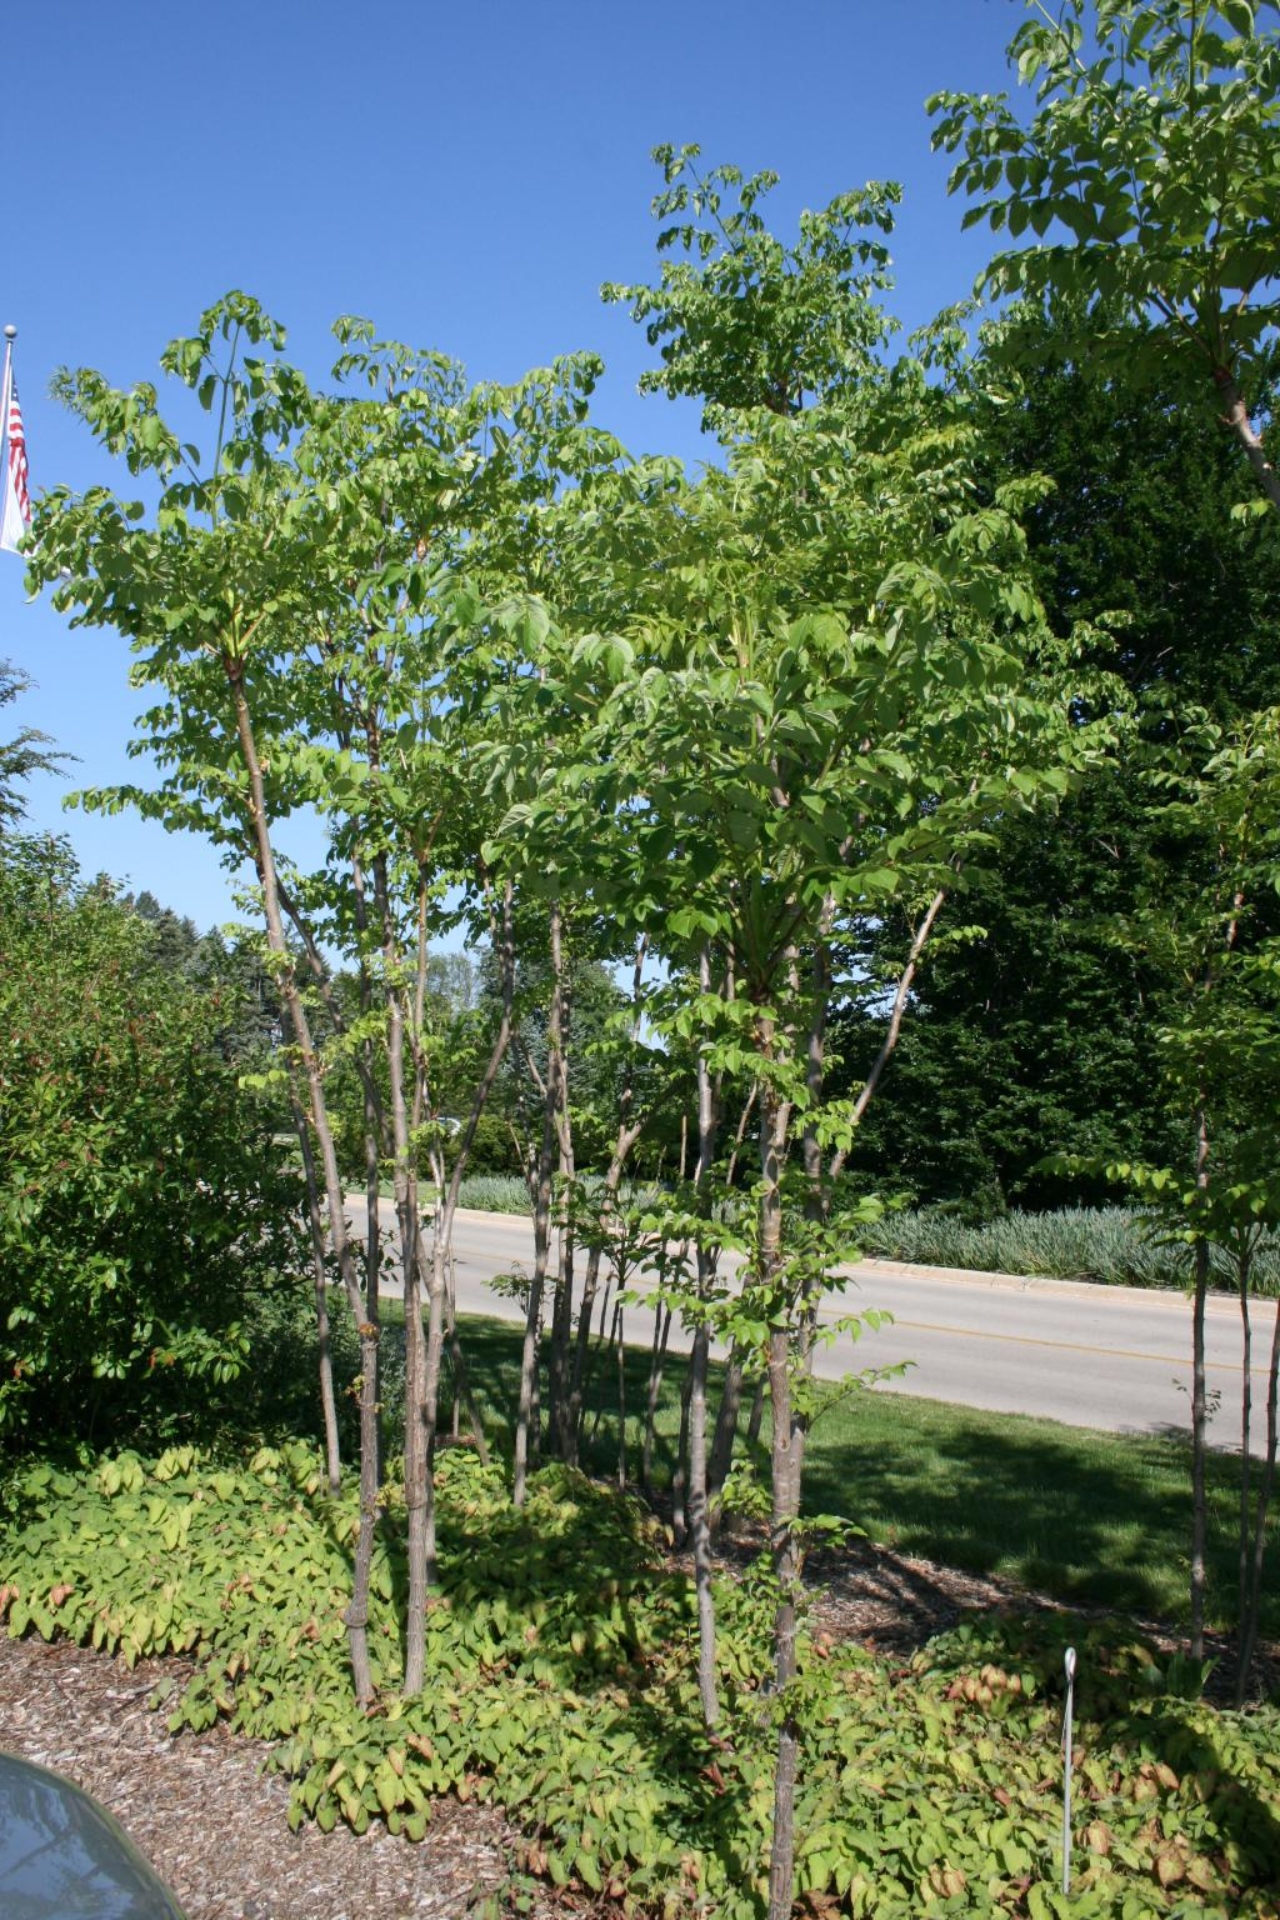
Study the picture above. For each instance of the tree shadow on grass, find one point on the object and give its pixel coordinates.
(1099, 1520)
(1096, 1520)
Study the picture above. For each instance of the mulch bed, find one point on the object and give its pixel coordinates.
(214, 1825)
(208, 1819)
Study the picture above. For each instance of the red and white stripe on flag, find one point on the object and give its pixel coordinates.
(17, 484)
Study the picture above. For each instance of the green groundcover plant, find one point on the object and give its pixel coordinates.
(561, 1683)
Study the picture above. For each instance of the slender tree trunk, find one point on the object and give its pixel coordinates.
(629, 1131)
(525, 1413)
(375, 1128)
(582, 1348)
(621, 1350)
(744, 1120)
(1199, 1405)
(657, 1363)
(431, 1396)
(726, 1433)
(541, 1225)
(897, 1010)
(560, 1369)
(1249, 1626)
(1199, 1420)
(680, 1473)
(373, 1255)
(560, 1372)
(464, 1397)
(369, 1402)
(421, 1378)
(582, 1359)
(756, 1421)
(700, 1525)
(1237, 419)
(785, 1513)
(786, 1462)
(627, 1137)
(446, 1211)
(315, 1219)
(1246, 1436)
(422, 1360)
(375, 1139)
(362, 1059)
(602, 1344)
(357, 1614)
(699, 1515)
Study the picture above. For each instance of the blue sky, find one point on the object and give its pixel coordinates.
(466, 176)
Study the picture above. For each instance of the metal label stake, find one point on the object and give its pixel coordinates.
(1069, 1662)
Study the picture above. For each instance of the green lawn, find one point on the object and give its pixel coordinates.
(1097, 1519)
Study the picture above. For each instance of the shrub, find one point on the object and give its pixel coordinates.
(144, 1206)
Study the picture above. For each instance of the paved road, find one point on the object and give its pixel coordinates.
(1110, 1357)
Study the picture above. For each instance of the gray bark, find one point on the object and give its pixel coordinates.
(657, 1364)
(357, 1613)
(525, 1414)
(1249, 1624)
(315, 1222)
(629, 1131)
(725, 1434)
(446, 1212)
(699, 1515)
(1246, 1424)
(1199, 1407)
(1237, 419)
(787, 1459)
(421, 1381)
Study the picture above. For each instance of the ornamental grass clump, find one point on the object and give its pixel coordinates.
(1117, 1246)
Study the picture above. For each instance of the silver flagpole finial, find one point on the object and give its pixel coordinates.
(11, 333)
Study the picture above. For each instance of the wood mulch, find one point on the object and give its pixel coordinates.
(210, 1821)
(214, 1825)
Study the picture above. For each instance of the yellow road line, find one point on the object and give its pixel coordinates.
(1070, 1346)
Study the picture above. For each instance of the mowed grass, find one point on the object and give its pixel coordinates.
(1095, 1519)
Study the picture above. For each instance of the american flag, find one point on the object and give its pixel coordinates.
(17, 485)
(19, 478)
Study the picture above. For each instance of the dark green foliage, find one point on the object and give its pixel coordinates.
(1033, 1032)
(144, 1206)
(494, 1152)
(1138, 531)
(1036, 1035)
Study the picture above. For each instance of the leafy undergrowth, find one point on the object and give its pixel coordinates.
(561, 1684)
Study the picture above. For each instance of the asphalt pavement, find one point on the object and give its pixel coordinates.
(1116, 1358)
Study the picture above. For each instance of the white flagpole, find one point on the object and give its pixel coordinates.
(10, 335)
